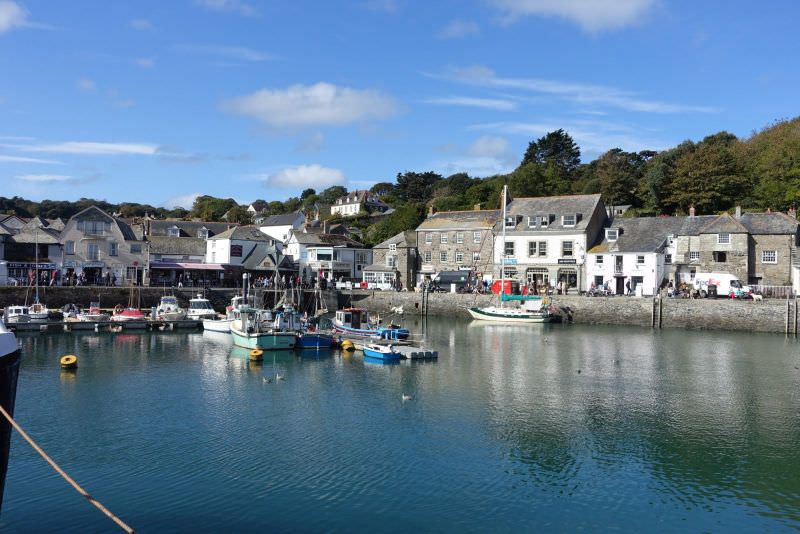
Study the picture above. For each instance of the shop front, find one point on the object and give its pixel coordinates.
(24, 272)
(187, 274)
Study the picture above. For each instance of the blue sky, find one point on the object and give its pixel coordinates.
(154, 101)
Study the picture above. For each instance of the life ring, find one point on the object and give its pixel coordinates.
(70, 361)
(118, 309)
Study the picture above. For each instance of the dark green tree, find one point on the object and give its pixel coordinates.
(416, 186)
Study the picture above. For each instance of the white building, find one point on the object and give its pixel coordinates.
(279, 227)
(547, 239)
(356, 202)
(330, 255)
(234, 246)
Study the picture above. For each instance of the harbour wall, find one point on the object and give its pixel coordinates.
(769, 315)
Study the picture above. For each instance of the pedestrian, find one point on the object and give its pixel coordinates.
(628, 287)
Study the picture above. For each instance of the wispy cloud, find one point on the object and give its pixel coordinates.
(90, 148)
(44, 178)
(303, 176)
(230, 6)
(486, 103)
(181, 201)
(460, 28)
(85, 85)
(235, 53)
(22, 159)
(12, 15)
(486, 156)
(321, 104)
(144, 62)
(591, 15)
(141, 25)
(584, 94)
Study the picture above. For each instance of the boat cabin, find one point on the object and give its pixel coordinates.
(353, 318)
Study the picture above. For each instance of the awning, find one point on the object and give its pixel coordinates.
(183, 266)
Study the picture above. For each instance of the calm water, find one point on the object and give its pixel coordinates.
(176, 431)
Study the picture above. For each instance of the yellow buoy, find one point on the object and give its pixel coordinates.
(256, 355)
(348, 345)
(70, 361)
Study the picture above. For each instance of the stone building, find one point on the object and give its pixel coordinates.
(22, 241)
(394, 260)
(457, 241)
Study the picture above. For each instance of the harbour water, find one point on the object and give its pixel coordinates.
(546, 427)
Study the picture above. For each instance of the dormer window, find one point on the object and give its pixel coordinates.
(568, 220)
(202, 233)
(511, 222)
(544, 221)
(531, 222)
(174, 232)
(612, 234)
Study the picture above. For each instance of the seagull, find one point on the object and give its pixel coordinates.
(279, 376)
(406, 397)
(267, 380)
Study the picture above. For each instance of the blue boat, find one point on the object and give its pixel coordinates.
(356, 322)
(314, 340)
(381, 352)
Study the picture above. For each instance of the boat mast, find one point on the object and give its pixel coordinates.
(36, 262)
(503, 255)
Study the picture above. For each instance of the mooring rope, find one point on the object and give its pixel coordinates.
(94, 502)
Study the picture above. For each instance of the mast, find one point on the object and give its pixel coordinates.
(503, 255)
(36, 262)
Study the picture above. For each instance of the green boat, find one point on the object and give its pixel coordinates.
(252, 332)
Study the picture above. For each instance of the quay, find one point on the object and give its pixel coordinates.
(103, 326)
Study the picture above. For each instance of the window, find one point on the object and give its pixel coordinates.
(667, 258)
(459, 237)
(94, 227)
(202, 233)
(443, 256)
(544, 221)
(531, 249)
(426, 256)
(428, 238)
(136, 249)
(93, 251)
(542, 248)
(69, 247)
(566, 249)
(598, 260)
(113, 249)
(769, 256)
(361, 258)
(723, 239)
(459, 257)
(612, 234)
(443, 238)
(391, 261)
(508, 250)
(720, 257)
(568, 220)
(694, 256)
(476, 237)
(639, 260)
(393, 247)
(476, 256)
(531, 222)
(511, 222)
(213, 256)
(174, 232)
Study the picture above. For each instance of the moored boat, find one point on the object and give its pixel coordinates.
(380, 352)
(9, 371)
(169, 310)
(314, 339)
(94, 314)
(357, 322)
(251, 332)
(16, 314)
(38, 312)
(200, 308)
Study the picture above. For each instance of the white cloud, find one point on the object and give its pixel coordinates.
(460, 28)
(12, 15)
(44, 178)
(145, 62)
(21, 159)
(230, 6)
(236, 53)
(91, 148)
(86, 85)
(486, 103)
(304, 176)
(181, 201)
(486, 156)
(382, 6)
(490, 147)
(576, 92)
(141, 24)
(591, 15)
(477, 167)
(311, 105)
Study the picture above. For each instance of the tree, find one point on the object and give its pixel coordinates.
(331, 194)
(239, 214)
(416, 186)
(556, 148)
(404, 218)
(618, 174)
(307, 193)
(382, 188)
(209, 208)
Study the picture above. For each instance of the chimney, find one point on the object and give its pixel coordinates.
(324, 227)
(476, 207)
(769, 210)
(792, 212)
(738, 211)
(691, 210)
(430, 211)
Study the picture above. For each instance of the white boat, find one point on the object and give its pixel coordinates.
(169, 310)
(200, 308)
(38, 312)
(17, 314)
(531, 309)
(93, 314)
(216, 324)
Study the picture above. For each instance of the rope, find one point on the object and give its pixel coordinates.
(120, 523)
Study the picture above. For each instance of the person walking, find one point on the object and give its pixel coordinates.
(628, 288)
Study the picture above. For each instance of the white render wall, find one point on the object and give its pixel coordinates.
(346, 210)
(550, 261)
(652, 270)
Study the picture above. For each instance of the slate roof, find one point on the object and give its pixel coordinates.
(44, 236)
(265, 257)
(557, 206)
(453, 220)
(641, 234)
(187, 228)
(184, 246)
(123, 226)
(403, 240)
(724, 224)
(56, 224)
(774, 223)
(284, 219)
(323, 240)
(244, 233)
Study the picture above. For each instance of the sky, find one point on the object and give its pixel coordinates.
(157, 102)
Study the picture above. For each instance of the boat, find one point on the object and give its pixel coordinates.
(200, 308)
(93, 314)
(380, 352)
(357, 322)
(314, 339)
(9, 371)
(38, 312)
(253, 332)
(16, 314)
(131, 314)
(169, 310)
(532, 308)
(232, 313)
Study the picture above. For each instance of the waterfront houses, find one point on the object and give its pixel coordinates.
(456, 241)
(547, 239)
(229, 252)
(177, 251)
(22, 241)
(279, 227)
(394, 262)
(356, 202)
(99, 248)
(331, 256)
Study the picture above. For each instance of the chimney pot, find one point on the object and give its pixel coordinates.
(792, 212)
(738, 211)
(430, 210)
(477, 207)
(769, 210)
(691, 211)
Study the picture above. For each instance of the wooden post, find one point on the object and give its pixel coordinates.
(653, 314)
(660, 312)
(795, 316)
(787, 315)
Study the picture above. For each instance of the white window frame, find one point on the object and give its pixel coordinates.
(476, 237)
(113, 248)
(640, 259)
(564, 248)
(572, 217)
(513, 247)
(427, 257)
(443, 238)
(598, 260)
(476, 256)
(694, 255)
(531, 222)
(511, 221)
(766, 254)
(391, 261)
(428, 237)
(443, 256)
(612, 234)
(544, 221)
(542, 249)
(459, 257)
(532, 251)
(392, 247)
(723, 239)
(174, 232)
(69, 247)
(459, 237)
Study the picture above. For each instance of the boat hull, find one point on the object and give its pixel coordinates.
(217, 325)
(380, 355)
(264, 340)
(383, 333)
(9, 372)
(507, 316)
(314, 340)
(172, 316)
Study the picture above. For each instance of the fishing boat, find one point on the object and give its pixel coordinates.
(530, 308)
(16, 314)
(232, 313)
(311, 338)
(380, 352)
(200, 308)
(253, 332)
(169, 310)
(357, 322)
(9, 371)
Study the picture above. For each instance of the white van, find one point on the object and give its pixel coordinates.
(726, 284)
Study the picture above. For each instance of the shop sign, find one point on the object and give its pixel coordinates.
(567, 261)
